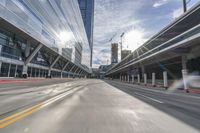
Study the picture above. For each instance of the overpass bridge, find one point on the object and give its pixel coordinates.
(169, 55)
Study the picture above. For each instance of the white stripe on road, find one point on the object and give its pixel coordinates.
(13, 87)
(155, 100)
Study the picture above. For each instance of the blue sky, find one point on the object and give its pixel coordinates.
(139, 19)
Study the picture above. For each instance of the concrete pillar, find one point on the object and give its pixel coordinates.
(145, 79)
(143, 70)
(185, 84)
(125, 78)
(9, 70)
(185, 73)
(0, 63)
(61, 74)
(128, 78)
(153, 79)
(165, 80)
(133, 80)
(25, 70)
(0, 49)
(138, 78)
(49, 72)
(16, 71)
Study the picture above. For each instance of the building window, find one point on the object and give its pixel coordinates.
(4, 70)
(12, 70)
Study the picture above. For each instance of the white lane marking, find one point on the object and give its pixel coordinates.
(155, 100)
(13, 87)
(60, 96)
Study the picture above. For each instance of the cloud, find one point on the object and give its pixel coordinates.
(136, 18)
(105, 51)
(159, 3)
(177, 12)
(111, 19)
(102, 56)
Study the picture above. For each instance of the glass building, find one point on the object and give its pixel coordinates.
(87, 12)
(43, 37)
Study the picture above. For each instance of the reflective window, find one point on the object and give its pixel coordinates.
(12, 70)
(4, 70)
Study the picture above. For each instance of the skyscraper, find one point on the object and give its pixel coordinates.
(114, 53)
(87, 12)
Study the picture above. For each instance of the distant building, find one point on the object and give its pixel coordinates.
(125, 53)
(100, 72)
(114, 53)
(78, 54)
(95, 73)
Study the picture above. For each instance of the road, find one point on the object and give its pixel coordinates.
(95, 106)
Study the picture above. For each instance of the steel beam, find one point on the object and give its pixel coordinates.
(76, 70)
(79, 72)
(72, 68)
(32, 55)
(54, 62)
(65, 66)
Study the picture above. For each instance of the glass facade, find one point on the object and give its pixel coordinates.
(87, 12)
(57, 24)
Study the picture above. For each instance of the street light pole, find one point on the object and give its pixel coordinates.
(184, 5)
(121, 43)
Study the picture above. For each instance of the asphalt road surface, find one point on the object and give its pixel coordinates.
(95, 106)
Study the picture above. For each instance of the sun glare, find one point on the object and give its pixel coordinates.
(65, 36)
(133, 39)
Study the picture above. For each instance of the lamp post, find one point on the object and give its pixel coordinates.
(185, 2)
(184, 6)
(121, 43)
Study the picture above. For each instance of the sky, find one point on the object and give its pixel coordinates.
(138, 19)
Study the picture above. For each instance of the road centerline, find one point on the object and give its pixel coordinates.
(19, 115)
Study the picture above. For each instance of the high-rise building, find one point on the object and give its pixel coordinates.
(125, 53)
(87, 12)
(43, 37)
(114, 53)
